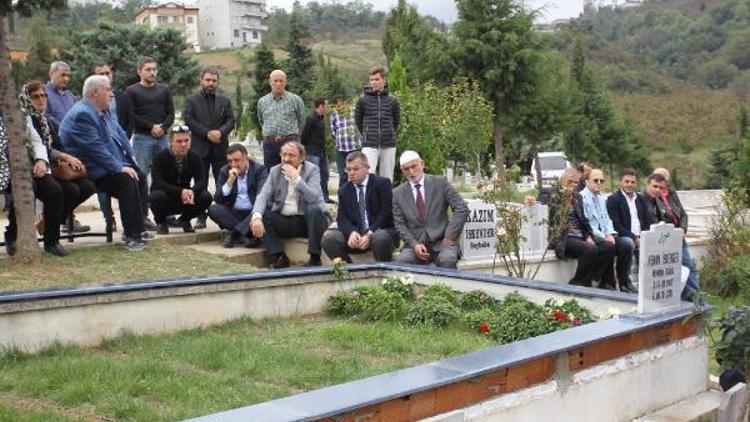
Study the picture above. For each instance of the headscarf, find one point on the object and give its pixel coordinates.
(24, 100)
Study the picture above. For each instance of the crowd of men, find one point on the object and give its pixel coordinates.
(123, 138)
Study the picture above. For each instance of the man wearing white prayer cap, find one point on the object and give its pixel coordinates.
(420, 214)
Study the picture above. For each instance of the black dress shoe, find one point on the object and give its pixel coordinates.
(200, 223)
(282, 261)
(187, 227)
(230, 239)
(10, 248)
(149, 225)
(172, 221)
(314, 261)
(605, 286)
(162, 228)
(253, 242)
(628, 287)
(56, 249)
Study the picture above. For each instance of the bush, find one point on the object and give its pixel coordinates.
(349, 303)
(734, 278)
(733, 350)
(432, 310)
(382, 305)
(476, 300)
(487, 317)
(575, 314)
(400, 286)
(441, 290)
(518, 320)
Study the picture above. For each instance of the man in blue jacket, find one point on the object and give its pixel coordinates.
(365, 214)
(102, 146)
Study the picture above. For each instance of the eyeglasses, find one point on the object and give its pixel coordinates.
(38, 96)
(597, 180)
(180, 129)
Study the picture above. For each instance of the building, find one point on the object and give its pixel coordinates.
(232, 23)
(173, 15)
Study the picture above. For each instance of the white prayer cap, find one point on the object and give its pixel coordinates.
(408, 156)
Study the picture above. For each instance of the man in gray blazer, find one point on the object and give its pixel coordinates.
(420, 214)
(297, 209)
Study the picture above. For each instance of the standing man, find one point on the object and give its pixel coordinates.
(313, 138)
(210, 119)
(178, 183)
(625, 208)
(365, 214)
(602, 230)
(85, 133)
(281, 115)
(59, 99)
(152, 111)
(290, 205)
(420, 214)
(344, 131)
(378, 115)
(237, 188)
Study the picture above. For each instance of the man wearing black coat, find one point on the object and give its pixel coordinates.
(172, 172)
(626, 208)
(313, 138)
(365, 214)
(237, 186)
(210, 119)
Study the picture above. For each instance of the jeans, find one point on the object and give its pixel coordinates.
(322, 162)
(693, 284)
(145, 147)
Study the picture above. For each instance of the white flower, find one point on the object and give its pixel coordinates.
(571, 317)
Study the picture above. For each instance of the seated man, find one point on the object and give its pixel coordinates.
(625, 207)
(420, 214)
(365, 214)
(172, 172)
(295, 206)
(237, 188)
(104, 150)
(603, 231)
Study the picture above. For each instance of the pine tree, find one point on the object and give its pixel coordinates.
(40, 49)
(263, 64)
(300, 62)
(397, 75)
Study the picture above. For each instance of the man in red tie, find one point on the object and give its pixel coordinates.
(420, 214)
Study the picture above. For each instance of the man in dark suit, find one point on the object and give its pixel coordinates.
(237, 188)
(625, 208)
(420, 214)
(365, 214)
(210, 119)
(291, 205)
(87, 134)
(172, 173)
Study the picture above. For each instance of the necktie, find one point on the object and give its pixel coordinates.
(420, 203)
(362, 208)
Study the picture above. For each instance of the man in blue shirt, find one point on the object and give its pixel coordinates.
(595, 209)
(59, 99)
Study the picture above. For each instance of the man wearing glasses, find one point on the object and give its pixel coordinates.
(604, 233)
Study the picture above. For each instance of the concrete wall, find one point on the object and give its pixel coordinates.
(617, 390)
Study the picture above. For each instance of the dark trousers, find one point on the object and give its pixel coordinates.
(341, 166)
(130, 193)
(624, 254)
(48, 190)
(382, 244)
(230, 219)
(322, 162)
(311, 225)
(216, 158)
(75, 192)
(163, 204)
(593, 259)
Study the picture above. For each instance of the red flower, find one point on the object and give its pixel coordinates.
(576, 322)
(485, 327)
(560, 315)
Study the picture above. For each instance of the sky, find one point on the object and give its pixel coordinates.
(445, 10)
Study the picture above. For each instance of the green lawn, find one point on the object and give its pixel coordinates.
(196, 372)
(112, 263)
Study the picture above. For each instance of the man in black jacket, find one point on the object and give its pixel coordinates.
(365, 214)
(172, 173)
(313, 138)
(210, 119)
(377, 116)
(625, 208)
(238, 185)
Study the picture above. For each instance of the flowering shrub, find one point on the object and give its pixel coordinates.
(382, 305)
(349, 303)
(476, 300)
(566, 313)
(400, 286)
(432, 310)
(443, 291)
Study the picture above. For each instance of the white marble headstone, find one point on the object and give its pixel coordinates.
(478, 238)
(660, 268)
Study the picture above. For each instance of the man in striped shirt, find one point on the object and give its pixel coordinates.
(281, 115)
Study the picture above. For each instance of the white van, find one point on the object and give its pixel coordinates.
(553, 165)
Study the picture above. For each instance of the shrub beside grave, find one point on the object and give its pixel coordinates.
(514, 318)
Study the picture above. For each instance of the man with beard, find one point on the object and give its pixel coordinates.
(210, 119)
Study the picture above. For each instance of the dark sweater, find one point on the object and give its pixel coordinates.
(313, 135)
(167, 178)
(377, 116)
(150, 106)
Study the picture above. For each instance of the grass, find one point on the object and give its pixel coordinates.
(196, 372)
(112, 263)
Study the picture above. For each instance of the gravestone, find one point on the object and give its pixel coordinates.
(478, 238)
(660, 268)
(534, 229)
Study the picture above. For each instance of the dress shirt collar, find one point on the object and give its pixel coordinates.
(420, 182)
(364, 182)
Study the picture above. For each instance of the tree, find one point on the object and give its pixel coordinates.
(40, 49)
(122, 45)
(466, 123)
(397, 75)
(263, 64)
(20, 167)
(330, 82)
(497, 47)
(300, 60)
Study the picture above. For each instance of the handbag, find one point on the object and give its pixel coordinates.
(65, 172)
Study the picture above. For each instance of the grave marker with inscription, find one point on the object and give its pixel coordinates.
(660, 268)
(478, 238)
